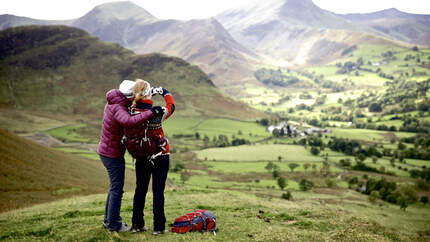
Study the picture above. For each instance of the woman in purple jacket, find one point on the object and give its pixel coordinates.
(111, 151)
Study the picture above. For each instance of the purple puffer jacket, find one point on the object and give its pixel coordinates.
(115, 119)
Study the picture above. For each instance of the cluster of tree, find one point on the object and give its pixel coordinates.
(411, 124)
(424, 174)
(403, 91)
(303, 106)
(389, 55)
(384, 127)
(320, 100)
(385, 190)
(306, 185)
(400, 97)
(276, 174)
(420, 140)
(349, 50)
(384, 75)
(334, 86)
(223, 141)
(347, 67)
(305, 95)
(273, 168)
(180, 136)
(352, 147)
(275, 77)
(263, 121)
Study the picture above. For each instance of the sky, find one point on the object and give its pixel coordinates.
(191, 9)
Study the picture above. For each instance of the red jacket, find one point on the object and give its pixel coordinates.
(153, 127)
(115, 119)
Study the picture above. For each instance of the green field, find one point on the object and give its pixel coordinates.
(293, 153)
(257, 167)
(369, 135)
(68, 133)
(214, 127)
(240, 217)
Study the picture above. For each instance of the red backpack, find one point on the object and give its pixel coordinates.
(199, 220)
(139, 145)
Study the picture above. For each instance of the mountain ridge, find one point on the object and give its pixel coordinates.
(398, 25)
(58, 63)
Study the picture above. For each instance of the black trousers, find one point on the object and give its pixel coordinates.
(144, 170)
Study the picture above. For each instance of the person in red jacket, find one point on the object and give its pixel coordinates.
(155, 163)
(111, 150)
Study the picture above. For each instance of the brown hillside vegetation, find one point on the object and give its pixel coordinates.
(32, 173)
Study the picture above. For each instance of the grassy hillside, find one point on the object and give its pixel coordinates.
(32, 173)
(63, 69)
(246, 210)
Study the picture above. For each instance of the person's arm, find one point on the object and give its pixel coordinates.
(128, 121)
(170, 103)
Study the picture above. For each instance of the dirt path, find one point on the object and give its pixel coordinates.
(48, 140)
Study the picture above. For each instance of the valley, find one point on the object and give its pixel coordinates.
(347, 157)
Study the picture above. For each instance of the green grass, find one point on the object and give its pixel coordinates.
(22, 121)
(290, 153)
(309, 217)
(68, 133)
(248, 167)
(33, 173)
(369, 135)
(214, 127)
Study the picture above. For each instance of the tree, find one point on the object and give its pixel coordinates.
(264, 122)
(306, 166)
(374, 195)
(276, 172)
(325, 169)
(408, 196)
(315, 150)
(276, 132)
(314, 168)
(287, 195)
(269, 166)
(178, 167)
(185, 176)
(306, 185)
(375, 108)
(392, 161)
(293, 166)
(424, 199)
(360, 158)
(282, 182)
(330, 183)
(206, 141)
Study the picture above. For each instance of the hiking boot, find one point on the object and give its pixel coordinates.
(135, 229)
(160, 232)
(105, 225)
(123, 228)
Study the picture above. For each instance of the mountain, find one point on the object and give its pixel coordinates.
(411, 28)
(114, 22)
(294, 31)
(63, 69)
(202, 42)
(7, 21)
(33, 173)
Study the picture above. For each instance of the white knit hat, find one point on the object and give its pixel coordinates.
(126, 88)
